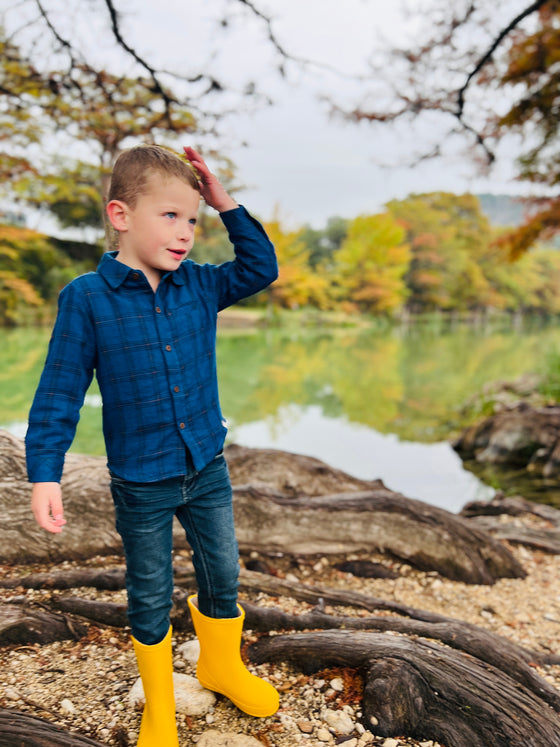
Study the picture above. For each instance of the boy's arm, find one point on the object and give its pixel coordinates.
(255, 266)
(55, 410)
(46, 504)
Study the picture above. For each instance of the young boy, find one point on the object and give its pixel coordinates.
(145, 321)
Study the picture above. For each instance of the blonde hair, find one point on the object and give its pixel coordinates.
(134, 167)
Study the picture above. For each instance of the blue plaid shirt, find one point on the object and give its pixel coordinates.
(154, 356)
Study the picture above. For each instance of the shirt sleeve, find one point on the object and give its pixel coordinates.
(254, 267)
(66, 376)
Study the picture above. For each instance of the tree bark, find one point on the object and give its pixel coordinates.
(464, 686)
(22, 730)
(421, 689)
(279, 510)
(488, 516)
(27, 625)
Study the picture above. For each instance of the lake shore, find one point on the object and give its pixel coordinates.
(96, 673)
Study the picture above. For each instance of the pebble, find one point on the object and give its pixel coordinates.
(96, 677)
(339, 721)
(67, 707)
(190, 651)
(215, 738)
(305, 726)
(337, 684)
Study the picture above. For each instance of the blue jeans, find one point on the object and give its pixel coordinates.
(202, 502)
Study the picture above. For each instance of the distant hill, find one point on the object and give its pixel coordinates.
(502, 210)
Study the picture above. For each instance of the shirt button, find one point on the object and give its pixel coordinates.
(158, 310)
(135, 275)
(168, 348)
(176, 389)
(181, 425)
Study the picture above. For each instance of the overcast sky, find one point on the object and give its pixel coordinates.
(299, 162)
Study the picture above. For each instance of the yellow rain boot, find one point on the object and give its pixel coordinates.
(221, 669)
(155, 664)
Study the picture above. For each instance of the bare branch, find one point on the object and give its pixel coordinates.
(487, 56)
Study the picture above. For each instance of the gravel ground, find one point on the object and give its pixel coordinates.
(84, 685)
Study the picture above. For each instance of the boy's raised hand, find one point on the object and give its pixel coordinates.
(46, 504)
(210, 188)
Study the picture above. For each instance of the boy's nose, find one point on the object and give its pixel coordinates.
(184, 231)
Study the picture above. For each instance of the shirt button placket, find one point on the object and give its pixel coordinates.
(171, 363)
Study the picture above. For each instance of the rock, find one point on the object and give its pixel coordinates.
(190, 697)
(67, 707)
(337, 684)
(215, 738)
(306, 727)
(324, 735)
(339, 721)
(190, 651)
(521, 436)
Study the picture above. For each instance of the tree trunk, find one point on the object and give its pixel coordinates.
(488, 516)
(279, 510)
(27, 625)
(22, 730)
(421, 689)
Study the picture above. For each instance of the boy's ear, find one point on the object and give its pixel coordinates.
(117, 212)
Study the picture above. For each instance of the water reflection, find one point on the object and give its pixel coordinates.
(376, 404)
(431, 472)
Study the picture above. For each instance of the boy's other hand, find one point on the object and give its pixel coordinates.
(210, 188)
(46, 504)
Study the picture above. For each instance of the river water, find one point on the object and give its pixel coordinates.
(377, 404)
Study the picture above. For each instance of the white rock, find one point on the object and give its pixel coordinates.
(190, 651)
(66, 706)
(324, 735)
(190, 697)
(391, 743)
(339, 721)
(215, 738)
(337, 684)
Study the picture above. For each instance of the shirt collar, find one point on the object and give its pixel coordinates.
(115, 273)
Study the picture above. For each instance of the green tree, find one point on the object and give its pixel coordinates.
(322, 243)
(102, 111)
(449, 239)
(369, 268)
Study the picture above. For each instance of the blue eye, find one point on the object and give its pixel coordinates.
(193, 221)
(170, 214)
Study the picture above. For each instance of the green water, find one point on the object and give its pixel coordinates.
(328, 392)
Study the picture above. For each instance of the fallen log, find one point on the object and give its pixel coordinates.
(423, 689)
(22, 730)
(278, 511)
(379, 519)
(469, 638)
(27, 625)
(487, 647)
(111, 579)
(489, 516)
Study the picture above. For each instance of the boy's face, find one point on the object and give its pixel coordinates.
(159, 231)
